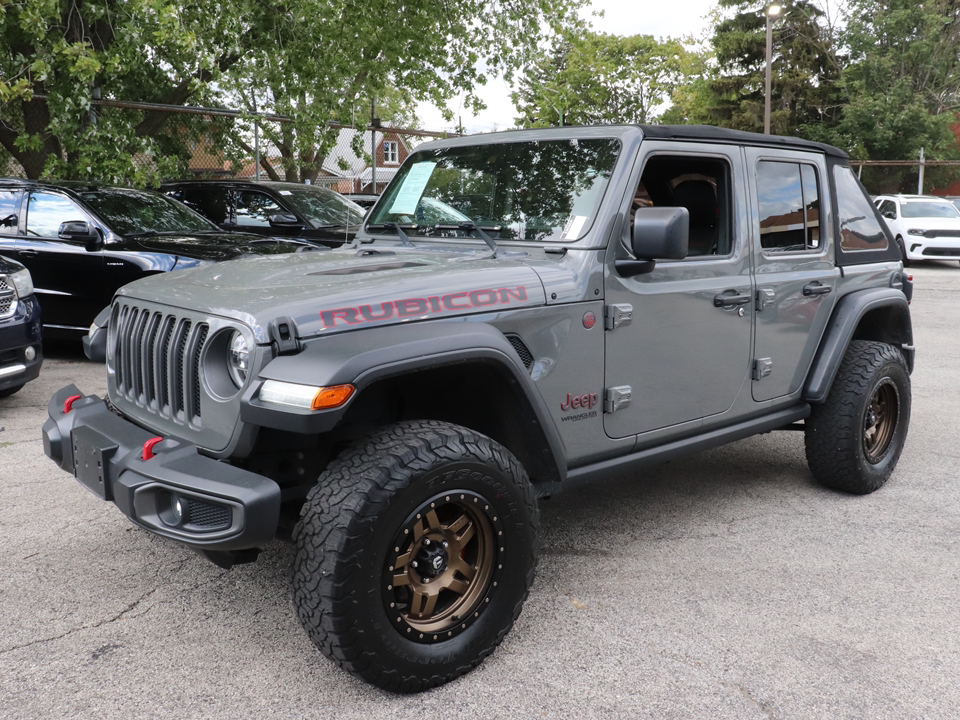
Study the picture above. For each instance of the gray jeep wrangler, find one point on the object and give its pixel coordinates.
(522, 311)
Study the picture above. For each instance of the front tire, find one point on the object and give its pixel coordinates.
(414, 554)
(903, 251)
(853, 440)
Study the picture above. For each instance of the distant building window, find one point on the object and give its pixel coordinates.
(391, 152)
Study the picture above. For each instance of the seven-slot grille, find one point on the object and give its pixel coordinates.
(8, 298)
(156, 360)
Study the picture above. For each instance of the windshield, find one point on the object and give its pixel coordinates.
(929, 210)
(134, 212)
(535, 190)
(323, 207)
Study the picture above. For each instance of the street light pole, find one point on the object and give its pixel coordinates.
(772, 12)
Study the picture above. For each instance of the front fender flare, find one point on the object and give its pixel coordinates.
(364, 357)
(842, 328)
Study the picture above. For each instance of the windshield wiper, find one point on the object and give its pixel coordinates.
(470, 226)
(396, 227)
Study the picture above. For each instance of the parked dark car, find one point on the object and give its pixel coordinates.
(283, 209)
(82, 241)
(21, 353)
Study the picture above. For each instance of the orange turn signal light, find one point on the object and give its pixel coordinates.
(331, 397)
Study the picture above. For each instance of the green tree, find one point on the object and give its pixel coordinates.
(321, 56)
(902, 87)
(593, 78)
(806, 68)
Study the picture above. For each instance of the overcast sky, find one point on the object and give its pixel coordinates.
(661, 18)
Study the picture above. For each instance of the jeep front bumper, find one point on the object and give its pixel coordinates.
(176, 492)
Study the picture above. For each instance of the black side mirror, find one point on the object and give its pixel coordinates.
(659, 233)
(285, 220)
(81, 231)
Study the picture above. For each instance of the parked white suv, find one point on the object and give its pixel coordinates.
(926, 227)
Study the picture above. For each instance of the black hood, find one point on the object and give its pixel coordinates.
(213, 246)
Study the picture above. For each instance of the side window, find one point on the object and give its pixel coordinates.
(789, 202)
(255, 208)
(702, 185)
(859, 227)
(46, 211)
(888, 209)
(211, 202)
(9, 199)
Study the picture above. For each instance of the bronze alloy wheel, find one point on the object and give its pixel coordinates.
(880, 420)
(444, 566)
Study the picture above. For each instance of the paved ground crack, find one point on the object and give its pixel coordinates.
(119, 616)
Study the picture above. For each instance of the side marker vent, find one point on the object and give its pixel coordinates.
(526, 357)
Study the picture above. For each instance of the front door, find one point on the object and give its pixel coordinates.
(68, 278)
(685, 354)
(796, 274)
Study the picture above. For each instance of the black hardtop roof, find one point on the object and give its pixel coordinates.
(691, 133)
(717, 134)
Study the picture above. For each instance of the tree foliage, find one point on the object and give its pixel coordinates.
(594, 78)
(312, 59)
(805, 69)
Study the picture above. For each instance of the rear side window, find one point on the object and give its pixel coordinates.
(211, 202)
(789, 202)
(856, 218)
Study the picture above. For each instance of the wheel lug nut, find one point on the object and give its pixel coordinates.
(446, 544)
(413, 564)
(426, 541)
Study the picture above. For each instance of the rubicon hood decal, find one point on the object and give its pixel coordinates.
(451, 303)
(343, 289)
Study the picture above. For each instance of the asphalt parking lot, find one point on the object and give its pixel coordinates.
(726, 585)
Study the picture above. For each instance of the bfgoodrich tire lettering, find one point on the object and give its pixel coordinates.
(854, 439)
(415, 553)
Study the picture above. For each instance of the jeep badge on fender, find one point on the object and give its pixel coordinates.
(519, 311)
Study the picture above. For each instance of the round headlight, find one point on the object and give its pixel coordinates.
(238, 358)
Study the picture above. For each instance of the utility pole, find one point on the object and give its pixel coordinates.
(771, 12)
(920, 184)
(373, 144)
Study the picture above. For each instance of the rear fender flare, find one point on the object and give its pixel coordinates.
(847, 324)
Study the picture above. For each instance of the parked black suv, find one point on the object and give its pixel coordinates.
(21, 353)
(82, 241)
(272, 208)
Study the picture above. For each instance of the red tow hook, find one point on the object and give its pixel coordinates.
(148, 446)
(68, 405)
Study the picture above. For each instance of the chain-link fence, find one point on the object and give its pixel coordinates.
(174, 142)
(921, 176)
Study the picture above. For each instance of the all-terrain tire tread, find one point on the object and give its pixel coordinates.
(340, 513)
(833, 429)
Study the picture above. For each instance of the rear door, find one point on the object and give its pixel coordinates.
(795, 269)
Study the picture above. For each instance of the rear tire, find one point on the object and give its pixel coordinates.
(903, 251)
(414, 554)
(854, 439)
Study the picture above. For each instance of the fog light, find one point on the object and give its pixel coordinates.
(30, 353)
(176, 510)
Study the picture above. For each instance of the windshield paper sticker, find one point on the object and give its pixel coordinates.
(413, 186)
(573, 227)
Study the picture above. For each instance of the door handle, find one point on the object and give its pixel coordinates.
(724, 300)
(29, 253)
(816, 288)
